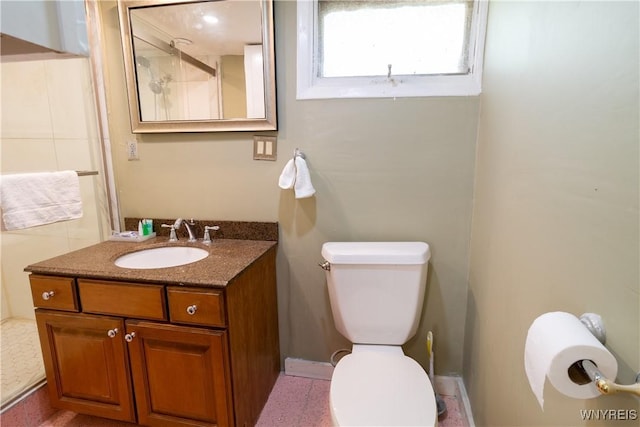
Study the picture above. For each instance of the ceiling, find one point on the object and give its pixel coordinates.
(213, 27)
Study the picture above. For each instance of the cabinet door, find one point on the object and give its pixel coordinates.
(86, 364)
(180, 375)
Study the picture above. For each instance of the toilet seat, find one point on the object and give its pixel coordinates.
(380, 386)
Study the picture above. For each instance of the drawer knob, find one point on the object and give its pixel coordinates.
(112, 332)
(129, 337)
(47, 295)
(191, 310)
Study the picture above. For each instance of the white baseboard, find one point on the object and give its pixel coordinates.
(444, 385)
(465, 402)
(454, 386)
(308, 368)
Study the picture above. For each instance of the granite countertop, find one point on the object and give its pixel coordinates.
(227, 259)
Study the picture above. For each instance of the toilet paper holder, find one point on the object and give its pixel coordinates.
(595, 325)
(605, 385)
(593, 322)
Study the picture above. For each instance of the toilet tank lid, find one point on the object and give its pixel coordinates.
(376, 252)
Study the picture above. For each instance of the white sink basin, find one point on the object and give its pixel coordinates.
(168, 256)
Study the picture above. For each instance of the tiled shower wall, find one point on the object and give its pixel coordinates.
(48, 124)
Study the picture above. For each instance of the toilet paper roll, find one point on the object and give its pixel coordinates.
(556, 341)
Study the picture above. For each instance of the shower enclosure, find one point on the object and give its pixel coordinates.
(172, 89)
(49, 123)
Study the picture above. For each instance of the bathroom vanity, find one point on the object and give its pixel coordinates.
(195, 344)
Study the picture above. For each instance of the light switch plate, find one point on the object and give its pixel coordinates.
(264, 147)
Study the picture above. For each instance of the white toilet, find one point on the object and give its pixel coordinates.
(376, 291)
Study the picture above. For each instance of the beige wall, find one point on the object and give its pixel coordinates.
(234, 91)
(396, 169)
(555, 220)
(554, 127)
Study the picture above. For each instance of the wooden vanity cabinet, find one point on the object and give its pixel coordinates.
(180, 375)
(87, 370)
(176, 356)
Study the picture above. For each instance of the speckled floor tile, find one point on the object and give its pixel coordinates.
(454, 417)
(30, 411)
(294, 402)
(317, 413)
(71, 419)
(304, 402)
(287, 402)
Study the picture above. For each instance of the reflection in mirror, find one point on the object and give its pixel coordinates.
(199, 65)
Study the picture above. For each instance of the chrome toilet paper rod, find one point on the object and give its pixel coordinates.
(593, 322)
(605, 385)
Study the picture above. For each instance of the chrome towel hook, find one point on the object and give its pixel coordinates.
(298, 153)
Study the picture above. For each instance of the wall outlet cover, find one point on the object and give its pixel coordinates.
(132, 150)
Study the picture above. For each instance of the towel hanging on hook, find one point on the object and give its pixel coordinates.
(296, 176)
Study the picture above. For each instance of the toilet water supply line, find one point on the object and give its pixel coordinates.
(440, 404)
(333, 361)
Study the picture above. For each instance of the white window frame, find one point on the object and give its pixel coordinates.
(310, 86)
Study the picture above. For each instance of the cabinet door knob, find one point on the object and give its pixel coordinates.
(112, 332)
(191, 310)
(47, 295)
(129, 337)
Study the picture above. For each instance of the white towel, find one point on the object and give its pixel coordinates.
(296, 175)
(33, 199)
(303, 186)
(288, 175)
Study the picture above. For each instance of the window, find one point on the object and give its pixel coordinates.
(367, 49)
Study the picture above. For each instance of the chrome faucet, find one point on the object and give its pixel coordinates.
(172, 235)
(188, 225)
(176, 225)
(207, 237)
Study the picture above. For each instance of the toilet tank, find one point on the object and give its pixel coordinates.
(376, 289)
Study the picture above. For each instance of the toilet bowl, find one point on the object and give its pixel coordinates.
(380, 386)
(376, 290)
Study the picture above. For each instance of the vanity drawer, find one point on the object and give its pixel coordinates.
(58, 293)
(122, 299)
(196, 306)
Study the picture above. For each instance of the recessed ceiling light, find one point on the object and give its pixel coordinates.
(210, 19)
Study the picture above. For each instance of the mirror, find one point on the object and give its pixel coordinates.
(199, 66)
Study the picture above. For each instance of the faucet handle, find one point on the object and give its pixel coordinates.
(172, 235)
(207, 237)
